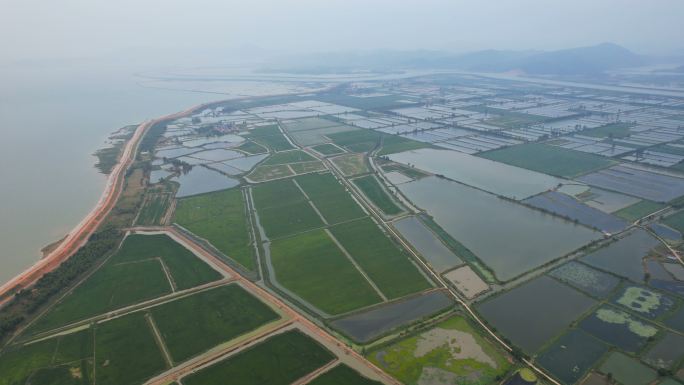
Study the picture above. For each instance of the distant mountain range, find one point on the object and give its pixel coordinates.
(592, 60)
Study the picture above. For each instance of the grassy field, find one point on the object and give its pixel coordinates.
(153, 209)
(280, 360)
(266, 173)
(60, 359)
(367, 140)
(220, 218)
(285, 157)
(131, 276)
(342, 375)
(283, 209)
(252, 148)
(351, 164)
(639, 210)
(327, 149)
(453, 347)
(197, 323)
(392, 144)
(408, 171)
(306, 167)
(126, 352)
(617, 130)
(372, 190)
(271, 137)
(313, 267)
(387, 265)
(676, 221)
(551, 160)
(330, 197)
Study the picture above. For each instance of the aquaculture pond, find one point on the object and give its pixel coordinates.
(585, 278)
(644, 301)
(367, 325)
(626, 370)
(666, 352)
(510, 238)
(202, 180)
(572, 355)
(534, 312)
(498, 178)
(618, 328)
(427, 244)
(569, 207)
(624, 257)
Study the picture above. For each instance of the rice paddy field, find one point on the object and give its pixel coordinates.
(154, 209)
(221, 219)
(327, 149)
(271, 137)
(342, 375)
(312, 266)
(283, 209)
(387, 265)
(330, 198)
(550, 160)
(372, 189)
(451, 352)
(134, 274)
(280, 360)
(193, 324)
(61, 359)
(639, 210)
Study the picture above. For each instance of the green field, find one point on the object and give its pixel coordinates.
(153, 209)
(551, 160)
(676, 221)
(372, 190)
(387, 265)
(367, 140)
(451, 352)
(330, 197)
(285, 157)
(283, 209)
(616, 130)
(60, 359)
(194, 324)
(266, 173)
(220, 218)
(251, 148)
(126, 352)
(327, 149)
(313, 267)
(306, 167)
(639, 210)
(280, 360)
(133, 275)
(627, 370)
(342, 375)
(351, 164)
(271, 137)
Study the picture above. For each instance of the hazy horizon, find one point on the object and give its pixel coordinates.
(213, 32)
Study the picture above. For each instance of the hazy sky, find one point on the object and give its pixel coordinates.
(40, 29)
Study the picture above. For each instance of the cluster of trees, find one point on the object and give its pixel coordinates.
(26, 302)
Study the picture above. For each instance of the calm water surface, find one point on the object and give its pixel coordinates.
(51, 121)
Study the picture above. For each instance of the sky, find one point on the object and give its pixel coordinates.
(175, 30)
